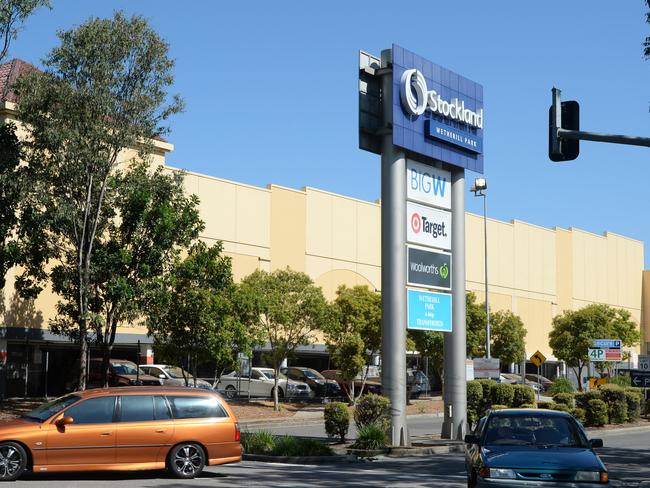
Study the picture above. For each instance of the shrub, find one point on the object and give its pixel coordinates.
(474, 401)
(612, 393)
(620, 380)
(523, 395)
(561, 385)
(579, 414)
(546, 405)
(596, 413)
(564, 398)
(337, 420)
(372, 409)
(528, 405)
(487, 395)
(261, 442)
(292, 446)
(633, 399)
(561, 407)
(371, 436)
(617, 412)
(582, 398)
(502, 394)
(498, 407)
(647, 407)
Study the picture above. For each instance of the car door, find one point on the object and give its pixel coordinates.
(259, 384)
(89, 439)
(143, 429)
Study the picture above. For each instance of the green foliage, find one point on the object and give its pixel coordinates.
(579, 414)
(474, 401)
(647, 407)
(475, 326)
(499, 407)
(13, 14)
(620, 380)
(564, 398)
(486, 384)
(507, 332)
(582, 398)
(372, 409)
(337, 420)
(284, 308)
(545, 405)
(612, 393)
(574, 330)
(265, 443)
(353, 332)
(617, 412)
(260, 442)
(502, 394)
(193, 312)
(102, 90)
(528, 405)
(633, 399)
(523, 395)
(370, 437)
(561, 407)
(561, 385)
(596, 413)
(429, 344)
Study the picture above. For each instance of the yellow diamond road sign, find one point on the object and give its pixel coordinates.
(538, 359)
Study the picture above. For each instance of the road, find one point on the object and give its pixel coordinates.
(626, 453)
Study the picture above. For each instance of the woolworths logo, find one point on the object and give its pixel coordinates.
(420, 267)
(444, 271)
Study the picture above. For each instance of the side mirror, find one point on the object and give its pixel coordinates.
(63, 421)
(596, 442)
(471, 439)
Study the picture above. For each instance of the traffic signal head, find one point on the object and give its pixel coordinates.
(560, 148)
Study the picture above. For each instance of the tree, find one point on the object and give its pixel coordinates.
(193, 315)
(285, 308)
(12, 15)
(430, 344)
(104, 89)
(574, 330)
(12, 198)
(475, 326)
(507, 332)
(353, 335)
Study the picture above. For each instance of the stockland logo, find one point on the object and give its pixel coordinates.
(428, 184)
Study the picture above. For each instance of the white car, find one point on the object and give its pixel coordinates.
(173, 376)
(261, 384)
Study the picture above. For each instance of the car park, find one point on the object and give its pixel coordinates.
(121, 372)
(532, 447)
(515, 379)
(321, 386)
(174, 376)
(261, 383)
(545, 382)
(129, 428)
(371, 385)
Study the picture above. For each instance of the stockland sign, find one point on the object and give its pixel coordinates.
(428, 226)
(428, 184)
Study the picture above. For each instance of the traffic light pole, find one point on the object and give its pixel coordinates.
(594, 136)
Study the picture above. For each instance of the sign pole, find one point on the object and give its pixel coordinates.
(539, 372)
(393, 267)
(455, 380)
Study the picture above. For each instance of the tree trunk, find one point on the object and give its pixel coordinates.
(351, 396)
(194, 370)
(106, 356)
(83, 360)
(580, 378)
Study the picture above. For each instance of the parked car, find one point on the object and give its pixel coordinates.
(513, 379)
(417, 382)
(546, 383)
(261, 384)
(530, 447)
(179, 429)
(120, 373)
(372, 384)
(321, 386)
(174, 376)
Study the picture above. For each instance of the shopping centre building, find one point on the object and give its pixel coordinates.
(535, 272)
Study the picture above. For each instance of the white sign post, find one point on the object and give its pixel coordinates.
(644, 363)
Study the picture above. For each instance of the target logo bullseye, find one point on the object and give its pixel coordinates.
(416, 223)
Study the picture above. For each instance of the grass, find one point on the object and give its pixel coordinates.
(264, 442)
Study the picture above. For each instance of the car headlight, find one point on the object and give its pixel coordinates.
(292, 387)
(501, 473)
(594, 476)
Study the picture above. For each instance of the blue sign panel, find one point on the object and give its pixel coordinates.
(437, 113)
(606, 343)
(427, 310)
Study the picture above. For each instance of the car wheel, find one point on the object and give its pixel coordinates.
(13, 461)
(186, 460)
(231, 392)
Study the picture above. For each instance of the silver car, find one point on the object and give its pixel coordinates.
(174, 376)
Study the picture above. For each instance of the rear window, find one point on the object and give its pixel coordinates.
(196, 407)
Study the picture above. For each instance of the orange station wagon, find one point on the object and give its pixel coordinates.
(128, 428)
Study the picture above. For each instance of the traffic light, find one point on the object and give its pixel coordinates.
(561, 148)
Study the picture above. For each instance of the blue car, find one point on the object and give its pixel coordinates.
(532, 447)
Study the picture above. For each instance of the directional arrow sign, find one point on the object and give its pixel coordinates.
(640, 378)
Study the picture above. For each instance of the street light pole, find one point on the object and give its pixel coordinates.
(479, 187)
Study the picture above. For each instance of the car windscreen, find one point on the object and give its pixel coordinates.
(177, 373)
(533, 430)
(270, 374)
(312, 375)
(45, 411)
(126, 368)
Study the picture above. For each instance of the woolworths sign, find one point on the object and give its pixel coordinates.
(430, 269)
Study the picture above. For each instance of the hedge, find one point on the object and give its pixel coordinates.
(523, 395)
(596, 414)
(582, 398)
(614, 397)
(487, 395)
(474, 401)
(546, 405)
(528, 405)
(337, 420)
(633, 399)
(579, 414)
(561, 407)
(502, 394)
(499, 407)
(564, 398)
(372, 409)
(561, 385)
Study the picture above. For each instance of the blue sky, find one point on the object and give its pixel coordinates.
(271, 93)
